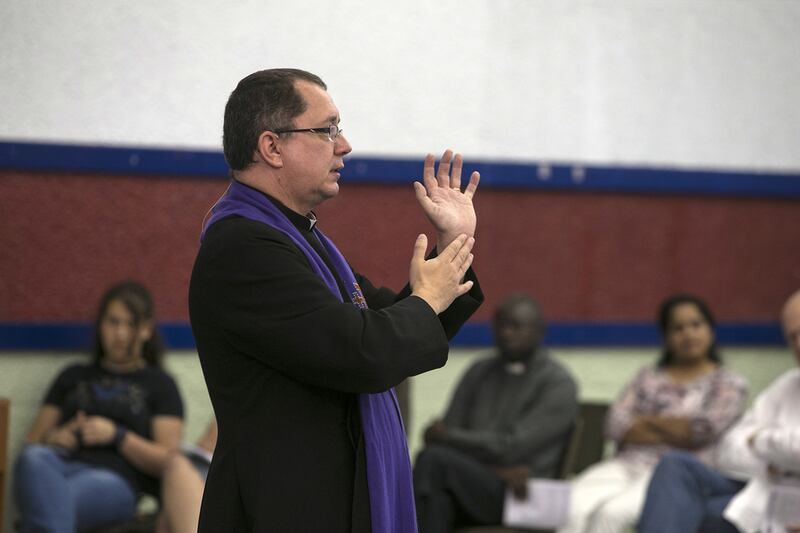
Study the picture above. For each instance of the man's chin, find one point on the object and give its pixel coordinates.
(330, 191)
(516, 356)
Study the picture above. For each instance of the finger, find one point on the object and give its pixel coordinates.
(464, 288)
(428, 175)
(453, 248)
(466, 264)
(425, 202)
(421, 193)
(469, 192)
(420, 246)
(464, 252)
(443, 175)
(455, 175)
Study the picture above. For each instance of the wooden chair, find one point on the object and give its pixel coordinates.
(591, 447)
(5, 406)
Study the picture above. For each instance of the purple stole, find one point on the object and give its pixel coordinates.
(391, 494)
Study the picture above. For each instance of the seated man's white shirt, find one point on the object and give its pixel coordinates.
(775, 420)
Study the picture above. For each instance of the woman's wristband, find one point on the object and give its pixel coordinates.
(119, 434)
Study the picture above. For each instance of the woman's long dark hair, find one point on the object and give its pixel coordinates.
(665, 319)
(138, 301)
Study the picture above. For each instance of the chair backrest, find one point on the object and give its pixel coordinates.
(4, 420)
(591, 447)
(570, 453)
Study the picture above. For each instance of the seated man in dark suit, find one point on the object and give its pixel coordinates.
(508, 420)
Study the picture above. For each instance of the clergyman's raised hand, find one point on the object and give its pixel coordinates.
(449, 209)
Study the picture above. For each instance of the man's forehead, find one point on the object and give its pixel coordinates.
(519, 312)
(792, 305)
(319, 101)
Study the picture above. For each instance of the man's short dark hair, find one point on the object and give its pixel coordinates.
(520, 300)
(264, 100)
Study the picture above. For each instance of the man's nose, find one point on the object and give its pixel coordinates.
(505, 332)
(342, 145)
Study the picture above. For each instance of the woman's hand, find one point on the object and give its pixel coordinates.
(64, 436)
(96, 430)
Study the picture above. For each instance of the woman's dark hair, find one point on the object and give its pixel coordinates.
(665, 319)
(138, 301)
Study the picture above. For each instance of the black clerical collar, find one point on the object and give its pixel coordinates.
(301, 222)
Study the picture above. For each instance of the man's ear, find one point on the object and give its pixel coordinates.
(268, 149)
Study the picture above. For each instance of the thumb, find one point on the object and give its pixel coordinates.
(420, 246)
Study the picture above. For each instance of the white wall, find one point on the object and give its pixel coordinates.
(674, 82)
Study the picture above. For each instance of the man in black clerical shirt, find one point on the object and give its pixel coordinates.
(299, 352)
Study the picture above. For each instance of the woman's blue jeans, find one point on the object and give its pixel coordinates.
(55, 494)
(686, 496)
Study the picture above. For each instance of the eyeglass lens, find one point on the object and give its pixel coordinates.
(333, 132)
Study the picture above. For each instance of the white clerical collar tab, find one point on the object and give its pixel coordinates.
(517, 368)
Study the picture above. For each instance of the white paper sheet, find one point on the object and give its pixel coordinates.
(783, 507)
(547, 505)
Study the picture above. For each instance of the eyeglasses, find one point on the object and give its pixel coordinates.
(333, 131)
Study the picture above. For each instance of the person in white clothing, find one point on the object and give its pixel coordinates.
(757, 474)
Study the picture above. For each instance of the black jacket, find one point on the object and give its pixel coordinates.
(284, 361)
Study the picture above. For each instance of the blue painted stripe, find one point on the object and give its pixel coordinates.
(110, 160)
(77, 335)
(578, 178)
(598, 334)
(178, 335)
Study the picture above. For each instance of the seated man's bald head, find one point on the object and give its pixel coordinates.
(790, 320)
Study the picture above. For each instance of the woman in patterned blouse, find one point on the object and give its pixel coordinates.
(685, 401)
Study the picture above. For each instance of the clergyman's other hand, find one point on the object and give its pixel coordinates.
(439, 280)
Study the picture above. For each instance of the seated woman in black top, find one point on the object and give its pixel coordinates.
(105, 429)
